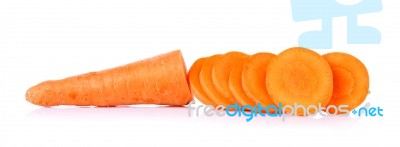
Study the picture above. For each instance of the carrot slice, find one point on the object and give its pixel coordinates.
(158, 80)
(207, 83)
(299, 76)
(194, 82)
(221, 71)
(350, 80)
(253, 78)
(235, 85)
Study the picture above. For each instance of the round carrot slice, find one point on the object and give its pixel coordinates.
(350, 80)
(207, 83)
(253, 78)
(235, 85)
(299, 76)
(194, 82)
(221, 71)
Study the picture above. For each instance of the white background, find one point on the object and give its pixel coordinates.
(53, 39)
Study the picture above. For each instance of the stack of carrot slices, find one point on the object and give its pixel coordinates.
(295, 76)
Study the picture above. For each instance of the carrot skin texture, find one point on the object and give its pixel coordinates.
(157, 80)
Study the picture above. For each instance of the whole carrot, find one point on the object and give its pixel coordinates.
(157, 80)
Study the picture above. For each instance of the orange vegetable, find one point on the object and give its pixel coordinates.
(235, 85)
(253, 77)
(221, 71)
(301, 76)
(208, 85)
(350, 80)
(157, 80)
(194, 82)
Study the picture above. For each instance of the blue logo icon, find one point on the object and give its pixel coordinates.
(325, 10)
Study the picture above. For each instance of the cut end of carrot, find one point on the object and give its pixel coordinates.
(157, 80)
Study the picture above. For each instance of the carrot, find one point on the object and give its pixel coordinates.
(253, 77)
(235, 85)
(350, 80)
(194, 82)
(208, 85)
(221, 71)
(299, 76)
(157, 80)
